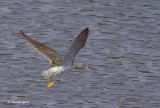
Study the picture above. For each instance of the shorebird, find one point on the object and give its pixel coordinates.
(60, 65)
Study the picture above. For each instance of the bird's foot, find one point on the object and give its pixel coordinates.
(51, 82)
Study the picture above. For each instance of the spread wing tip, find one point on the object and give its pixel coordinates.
(86, 29)
(21, 32)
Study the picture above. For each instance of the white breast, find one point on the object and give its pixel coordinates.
(55, 70)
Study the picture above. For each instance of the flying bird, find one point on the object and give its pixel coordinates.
(60, 65)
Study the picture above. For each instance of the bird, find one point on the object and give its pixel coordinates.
(60, 65)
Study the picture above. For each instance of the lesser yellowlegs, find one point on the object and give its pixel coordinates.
(60, 65)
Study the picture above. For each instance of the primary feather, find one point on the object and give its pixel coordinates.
(77, 44)
(44, 50)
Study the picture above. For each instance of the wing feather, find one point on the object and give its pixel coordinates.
(77, 44)
(44, 50)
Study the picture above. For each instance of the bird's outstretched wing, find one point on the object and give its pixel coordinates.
(77, 44)
(44, 50)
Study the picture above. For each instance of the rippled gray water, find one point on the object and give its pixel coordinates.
(123, 45)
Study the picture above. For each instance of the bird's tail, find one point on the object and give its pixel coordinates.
(48, 73)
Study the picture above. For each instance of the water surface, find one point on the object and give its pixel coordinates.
(123, 45)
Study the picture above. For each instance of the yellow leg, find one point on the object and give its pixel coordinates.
(51, 82)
